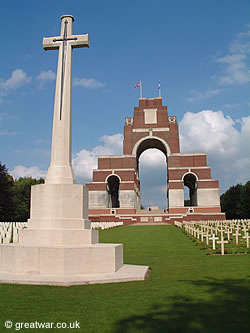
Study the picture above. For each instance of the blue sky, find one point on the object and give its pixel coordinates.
(198, 49)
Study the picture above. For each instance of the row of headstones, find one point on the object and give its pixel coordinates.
(218, 232)
(105, 225)
(9, 231)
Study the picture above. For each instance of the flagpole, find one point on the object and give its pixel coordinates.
(159, 88)
(140, 89)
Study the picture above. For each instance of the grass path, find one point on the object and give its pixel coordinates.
(187, 291)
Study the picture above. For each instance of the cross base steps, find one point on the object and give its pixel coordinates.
(58, 237)
(60, 260)
(124, 274)
(59, 248)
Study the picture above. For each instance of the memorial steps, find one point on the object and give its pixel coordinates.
(153, 217)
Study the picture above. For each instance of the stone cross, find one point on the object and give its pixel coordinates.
(60, 170)
(213, 239)
(228, 232)
(207, 237)
(222, 242)
(247, 237)
(199, 233)
(237, 234)
(244, 229)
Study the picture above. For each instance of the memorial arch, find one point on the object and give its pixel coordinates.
(152, 170)
(150, 142)
(145, 145)
(152, 127)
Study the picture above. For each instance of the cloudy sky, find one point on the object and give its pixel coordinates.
(198, 49)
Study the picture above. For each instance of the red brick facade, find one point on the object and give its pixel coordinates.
(151, 127)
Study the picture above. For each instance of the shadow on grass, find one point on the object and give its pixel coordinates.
(226, 309)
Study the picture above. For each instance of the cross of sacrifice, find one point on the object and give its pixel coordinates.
(213, 239)
(60, 170)
(65, 42)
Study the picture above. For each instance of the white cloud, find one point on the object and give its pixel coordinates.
(236, 69)
(45, 76)
(196, 95)
(112, 145)
(22, 171)
(208, 130)
(41, 151)
(7, 133)
(87, 83)
(152, 158)
(85, 161)
(231, 106)
(4, 116)
(227, 148)
(17, 80)
(7, 116)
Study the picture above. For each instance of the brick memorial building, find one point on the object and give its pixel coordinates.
(114, 194)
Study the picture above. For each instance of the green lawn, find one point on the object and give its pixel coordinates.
(187, 291)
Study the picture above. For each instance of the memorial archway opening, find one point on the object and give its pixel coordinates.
(190, 182)
(151, 157)
(113, 185)
(153, 178)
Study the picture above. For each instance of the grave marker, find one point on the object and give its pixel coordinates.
(213, 239)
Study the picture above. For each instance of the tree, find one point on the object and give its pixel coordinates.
(15, 196)
(22, 193)
(235, 202)
(245, 200)
(230, 202)
(6, 194)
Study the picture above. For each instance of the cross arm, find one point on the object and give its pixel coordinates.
(80, 41)
(49, 44)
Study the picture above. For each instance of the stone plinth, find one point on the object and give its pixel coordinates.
(61, 260)
(59, 202)
(124, 274)
(59, 248)
(59, 216)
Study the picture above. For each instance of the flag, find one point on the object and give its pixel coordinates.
(159, 88)
(137, 84)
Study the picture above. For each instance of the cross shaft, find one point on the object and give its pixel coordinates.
(60, 170)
